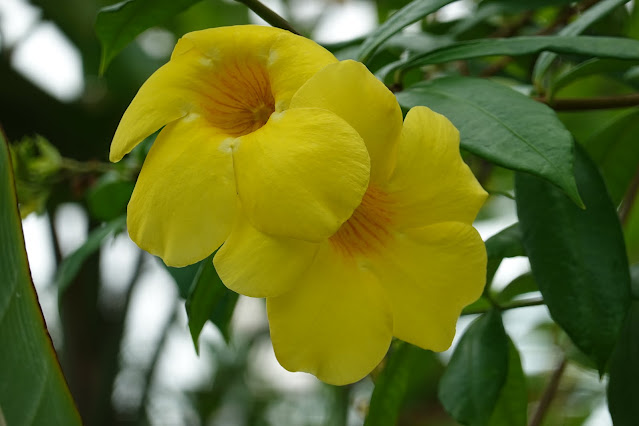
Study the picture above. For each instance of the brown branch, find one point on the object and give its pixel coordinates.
(549, 394)
(582, 104)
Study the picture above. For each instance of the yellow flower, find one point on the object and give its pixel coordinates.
(404, 264)
(230, 132)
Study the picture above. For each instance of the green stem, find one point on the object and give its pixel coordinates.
(86, 166)
(513, 305)
(268, 15)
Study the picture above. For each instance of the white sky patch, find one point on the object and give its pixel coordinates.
(71, 224)
(345, 21)
(17, 17)
(49, 60)
(454, 11)
(157, 43)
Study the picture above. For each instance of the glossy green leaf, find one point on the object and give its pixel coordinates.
(574, 28)
(209, 299)
(70, 265)
(410, 13)
(32, 388)
(406, 367)
(108, 198)
(578, 257)
(488, 9)
(623, 386)
(525, 283)
(615, 150)
(117, 25)
(471, 385)
(506, 243)
(502, 126)
(184, 277)
(512, 405)
(604, 47)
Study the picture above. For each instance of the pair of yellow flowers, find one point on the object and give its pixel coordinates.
(356, 227)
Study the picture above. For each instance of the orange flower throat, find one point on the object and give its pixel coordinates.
(367, 231)
(240, 99)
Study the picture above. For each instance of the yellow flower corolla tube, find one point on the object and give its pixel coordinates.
(404, 264)
(230, 134)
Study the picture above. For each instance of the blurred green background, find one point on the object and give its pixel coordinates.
(118, 324)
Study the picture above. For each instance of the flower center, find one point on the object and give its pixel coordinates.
(367, 231)
(240, 99)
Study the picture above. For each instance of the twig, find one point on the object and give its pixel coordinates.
(549, 394)
(582, 104)
(148, 379)
(268, 15)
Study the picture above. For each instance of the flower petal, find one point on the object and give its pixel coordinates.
(301, 175)
(335, 323)
(167, 95)
(204, 63)
(290, 59)
(431, 181)
(184, 201)
(430, 274)
(349, 90)
(258, 265)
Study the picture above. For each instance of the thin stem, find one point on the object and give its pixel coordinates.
(85, 166)
(549, 393)
(268, 15)
(581, 104)
(514, 305)
(629, 199)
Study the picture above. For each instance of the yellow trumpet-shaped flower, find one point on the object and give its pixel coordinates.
(404, 264)
(229, 132)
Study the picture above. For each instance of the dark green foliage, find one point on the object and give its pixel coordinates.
(578, 257)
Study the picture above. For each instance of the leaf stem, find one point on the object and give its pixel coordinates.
(581, 104)
(268, 15)
(85, 166)
(513, 305)
(549, 393)
(629, 199)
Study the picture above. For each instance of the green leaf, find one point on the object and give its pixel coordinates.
(502, 126)
(406, 366)
(578, 257)
(70, 266)
(615, 150)
(591, 67)
(623, 386)
(32, 388)
(574, 28)
(209, 299)
(525, 283)
(506, 243)
(108, 198)
(604, 47)
(117, 25)
(184, 277)
(512, 405)
(477, 372)
(410, 13)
